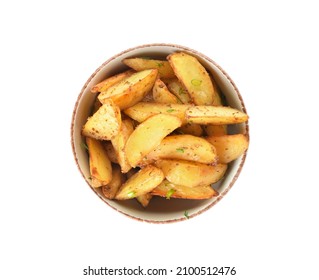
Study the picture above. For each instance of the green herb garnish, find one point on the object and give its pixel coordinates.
(180, 150)
(84, 146)
(131, 194)
(170, 110)
(186, 214)
(181, 91)
(196, 82)
(169, 193)
(160, 64)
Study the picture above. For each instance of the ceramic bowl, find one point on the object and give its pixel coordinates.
(160, 210)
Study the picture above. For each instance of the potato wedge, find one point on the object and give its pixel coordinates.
(186, 147)
(100, 165)
(175, 87)
(229, 147)
(119, 142)
(194, 77)
(216, 130)
(144, 199)
(130, 90)
(189, 173)
(192, 129)
(139, 64)
(148, 135)
(170, 190)
(108, 82)
(141, 183)
(214, 115)
(110, 151)
(143, 110)
(105, 123)
(161, 94)
(112, 187)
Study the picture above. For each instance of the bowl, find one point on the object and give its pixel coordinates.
(160, 210)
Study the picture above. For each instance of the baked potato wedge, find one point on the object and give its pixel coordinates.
(108, 82)
(190, 173)
(119, 142)
(229, 147)
(139, 64)
(130, 90)
(186, 147)
(110, 151)
(192, 129)
(170, 190)
(148, 135)
(144, 199)
(141, 183)
(161, 94)
(214, 115)
(175, 87)
(105, 122)
(143, 110)
(100, 165)
(109, 190)
(194, 77)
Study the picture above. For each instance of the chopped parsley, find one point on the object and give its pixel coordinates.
(84, 146)
(131, 194)
(186, 214)
(180, 150)
(169, 193)
(196, 82)
(160, 64)
(170, 110)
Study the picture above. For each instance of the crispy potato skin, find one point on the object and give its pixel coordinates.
(170, 190)
(109, 190)
(229, 147)
(100, 165)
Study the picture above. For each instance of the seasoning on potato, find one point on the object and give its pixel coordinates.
(159, 129)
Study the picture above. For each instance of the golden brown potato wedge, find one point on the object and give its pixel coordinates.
(215, 130)
(161, 94)
(194, 77)
(96, 105)
(170, 190)
(190, 173)
(192, 129)
(144, 199)
(108, 82)
(214, 115)
(105, 123)
(119, 142)
(229, 147)
(112, 187)
(110, 151)
(186, 147)
(175, 87)
(141, 183)
(139, 64)
(148, 135)
(130, 90)
(143, 110)
(100, 165)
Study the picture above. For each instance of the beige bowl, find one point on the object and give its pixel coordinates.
(160, 210)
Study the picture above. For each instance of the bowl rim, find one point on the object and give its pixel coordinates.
(181, 48)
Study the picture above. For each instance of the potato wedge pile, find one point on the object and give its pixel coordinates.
(160, 129)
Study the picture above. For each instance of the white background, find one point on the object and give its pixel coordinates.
(52, 224)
